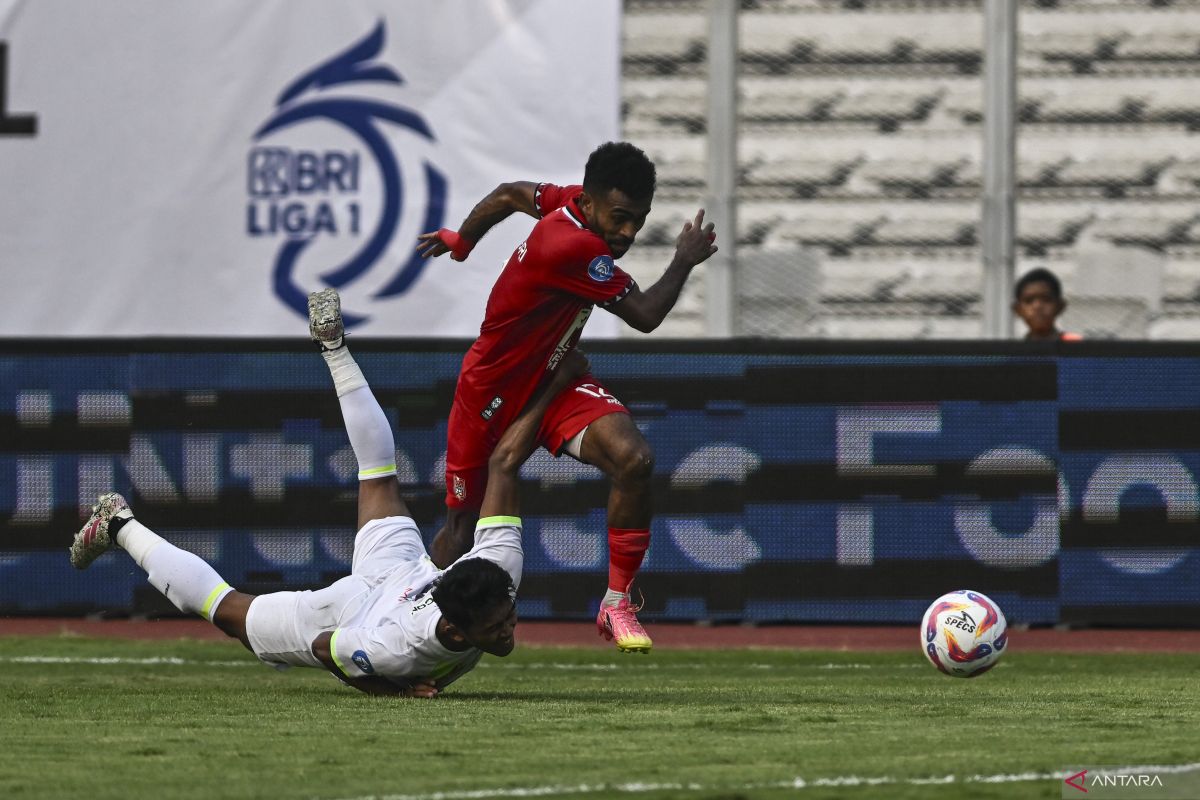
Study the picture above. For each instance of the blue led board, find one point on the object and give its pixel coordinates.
(793, 482)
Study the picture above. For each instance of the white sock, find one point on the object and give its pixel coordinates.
(346, 375)
(184, 578)
(367, 426)
(612, 598)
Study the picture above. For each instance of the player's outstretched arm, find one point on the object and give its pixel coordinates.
(500, 203)
(370, 684)
(502, 498)
(645, 311)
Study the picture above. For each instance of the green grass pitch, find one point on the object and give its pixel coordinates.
(95, 719)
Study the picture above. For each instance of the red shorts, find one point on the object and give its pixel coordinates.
(470, 439)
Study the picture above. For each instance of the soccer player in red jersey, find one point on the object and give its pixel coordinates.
(535, 315)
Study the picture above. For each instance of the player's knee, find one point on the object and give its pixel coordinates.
(505, 460)
(634, 462)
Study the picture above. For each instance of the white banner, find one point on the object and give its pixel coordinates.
(196, 167)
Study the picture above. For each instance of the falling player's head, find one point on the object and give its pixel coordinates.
(618, 188)
(477, 598)
(1038, 300)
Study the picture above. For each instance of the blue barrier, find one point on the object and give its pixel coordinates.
(794, 482)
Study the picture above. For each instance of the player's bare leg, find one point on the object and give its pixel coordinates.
(456, 537)
(615, 445)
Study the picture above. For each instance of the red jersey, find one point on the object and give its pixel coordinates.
(537, 310)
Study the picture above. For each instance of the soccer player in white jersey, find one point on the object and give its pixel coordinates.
(397, 624)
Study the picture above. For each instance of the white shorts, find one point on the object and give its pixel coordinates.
(281, 626)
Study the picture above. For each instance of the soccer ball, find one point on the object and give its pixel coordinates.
(964, 633)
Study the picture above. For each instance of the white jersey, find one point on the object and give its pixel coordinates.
(382, 615)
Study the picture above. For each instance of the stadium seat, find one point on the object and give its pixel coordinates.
(1191, 236)
(801, 178)
(1096, 106)
(1107, 317)
(1114, 177)
(669, 105)
(1039, 231)
(1183, 326)
(1154, 232)
(664, 44)
(1175, 107)
(1078, 50)
(876, 280)
(1159, 47)
(1180, 178)
(911, 178)
(837, 235)
(1033, 170)
(1181, 285)
(887, 108)
(838, 324)
(914, 40)
(911, 230)
(770, 101)
(773, 44)
(680, 161)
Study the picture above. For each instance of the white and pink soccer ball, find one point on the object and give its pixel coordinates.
(964, 633)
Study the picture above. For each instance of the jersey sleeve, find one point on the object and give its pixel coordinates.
(549, 197)
(383, 652)
(589, 272)
(498, 539)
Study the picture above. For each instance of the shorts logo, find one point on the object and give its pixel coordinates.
(460, 488)
(331, 194)
(598, 392)
(601, 268)
(492, 407)
(363, 663)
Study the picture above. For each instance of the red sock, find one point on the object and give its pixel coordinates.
(626, 549)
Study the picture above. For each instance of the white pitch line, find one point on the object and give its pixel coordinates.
(152, 661)
(602, 667)
(585, 667)
(797, 783)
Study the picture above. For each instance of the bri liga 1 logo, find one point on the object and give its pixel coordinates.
(325, 176)
(601, 268)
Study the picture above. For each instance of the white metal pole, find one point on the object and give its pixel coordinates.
(720, 203)
(999, 159)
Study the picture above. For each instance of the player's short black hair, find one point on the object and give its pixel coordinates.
(471, 588)
(1039, 275)
(619, 165)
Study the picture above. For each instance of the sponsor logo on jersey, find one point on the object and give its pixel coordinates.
(426, 603)
(460, 487)
(601, 268)
(492, 407)
(569, 337)
(363, 663)
(349, 194)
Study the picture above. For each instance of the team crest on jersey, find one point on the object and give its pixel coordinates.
(460, 488)
(601, 268)
(363, 663)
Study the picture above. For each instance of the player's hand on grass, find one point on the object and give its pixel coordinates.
(696, 242)
(442, 241)
(421, 687)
